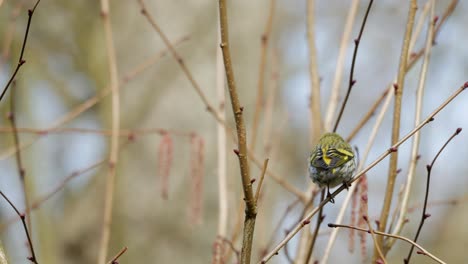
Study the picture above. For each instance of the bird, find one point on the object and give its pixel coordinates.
(332, 162)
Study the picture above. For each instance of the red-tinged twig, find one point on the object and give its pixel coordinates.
(32, 258)
(422, 250)
(233, 248)
(424, 214)
(114, 260)
(21, 60)
(393, 148)
(352, 81)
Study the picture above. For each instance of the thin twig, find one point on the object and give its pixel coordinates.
(334, 96)
(237, 109)
(21, 60)
(262, 176)
(352, 81)
(114, 148)
(396, 124)
(415, 144)
(179, 60)
(423, 251)
(316, 122)
(19, 161)
(424, 214)
(320, 218)
(121, 252)
(377, 246)
(33, 258)
(103, 132)
(219, 246)
(265, 39)
(393, 148)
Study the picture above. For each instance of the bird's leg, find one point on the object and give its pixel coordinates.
(329, 194)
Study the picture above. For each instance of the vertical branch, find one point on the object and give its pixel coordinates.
(237, 109)
(265, 38)
(314, 104)
(114, 149)
(352, 81)
(425, 215)
(396, 124)
(415, 144)
(19, 161)
(219, 245)
(333, 101)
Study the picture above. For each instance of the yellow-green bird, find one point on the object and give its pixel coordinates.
(332, 162)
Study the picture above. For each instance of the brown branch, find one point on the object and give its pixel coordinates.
(352, 81)
(265, 39)
(392, 171)
(422, 250)
(114, 260)
(114, 149)
(393, 148)
(314, 101)
(237, 109)
(21, 61)
(33, 258)
(425, 215)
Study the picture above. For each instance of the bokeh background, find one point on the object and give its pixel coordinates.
(67, 64)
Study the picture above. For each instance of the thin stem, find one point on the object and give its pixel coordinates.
(424, 214)
(114, 148)
(219, 246)
(316, 121)
(396, 124)
(415, 144)
(320, 218)
(423, 251)
(21, 61)
(265, 39)
(333, 101)
(114, 259)
(19, 160)
(352, 81)
(393, 148)
(250, 204)
(33, 258)
(262, 177)
(377, 246)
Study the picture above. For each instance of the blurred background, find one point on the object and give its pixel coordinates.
(67, 65)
